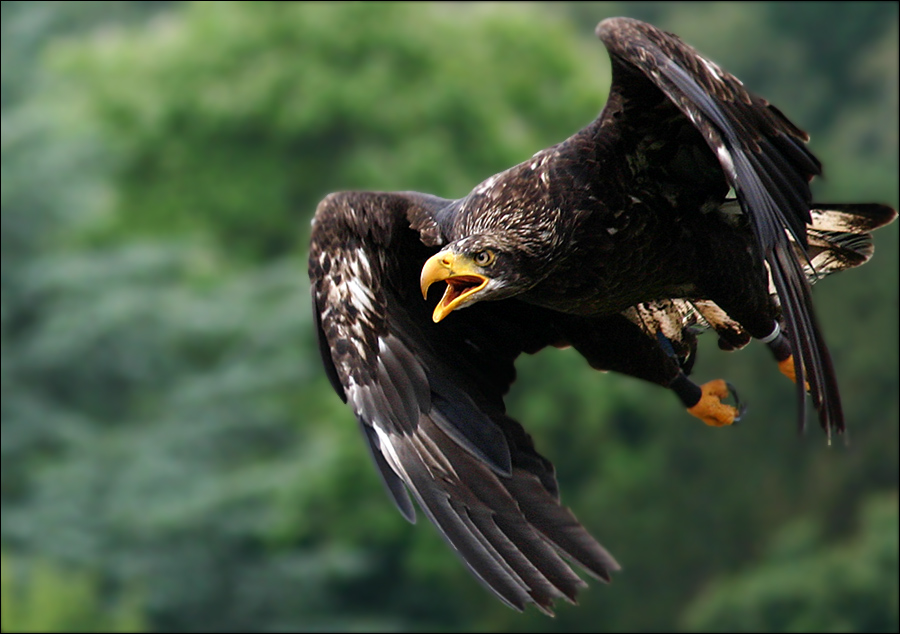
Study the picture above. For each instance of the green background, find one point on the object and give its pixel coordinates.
(173, 458)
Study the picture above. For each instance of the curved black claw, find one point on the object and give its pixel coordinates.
(738, 405)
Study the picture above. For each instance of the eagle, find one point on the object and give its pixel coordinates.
(685, 205)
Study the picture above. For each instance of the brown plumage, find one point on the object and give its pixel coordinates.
(619, 242)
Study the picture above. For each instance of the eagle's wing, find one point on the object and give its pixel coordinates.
(763, 158)
(429, 398)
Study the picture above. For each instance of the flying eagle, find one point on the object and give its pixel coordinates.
(685, 203)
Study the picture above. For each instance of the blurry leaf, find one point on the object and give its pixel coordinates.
(43, 597)
(235, 119)
(847, 587)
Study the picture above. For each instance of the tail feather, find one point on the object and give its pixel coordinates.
(849, 218)
(839, 236)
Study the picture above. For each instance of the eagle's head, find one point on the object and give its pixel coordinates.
(508, 235)
(487, 266)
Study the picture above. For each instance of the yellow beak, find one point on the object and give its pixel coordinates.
(463, 281)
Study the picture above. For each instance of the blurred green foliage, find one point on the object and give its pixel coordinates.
(801, 585)
(265, 107)
(165, 421)
(46, 598)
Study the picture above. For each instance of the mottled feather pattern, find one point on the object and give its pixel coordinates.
(524, 198)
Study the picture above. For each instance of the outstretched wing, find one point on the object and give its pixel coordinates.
(763, 158)
(429, 398)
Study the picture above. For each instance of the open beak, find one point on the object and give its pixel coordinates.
(462, 281)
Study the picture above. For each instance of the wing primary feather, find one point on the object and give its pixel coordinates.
(806, 162)
(391, 481)
(780, 195)
(394, 377)
(485, 563)
(516, 538)
(475, 432)
(530, 565)
(560, 526)
(527, 550)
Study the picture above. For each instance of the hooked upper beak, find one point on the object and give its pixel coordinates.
(462, 278)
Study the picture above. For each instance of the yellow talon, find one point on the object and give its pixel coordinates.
(710, 409)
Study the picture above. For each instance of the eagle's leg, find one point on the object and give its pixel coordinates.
(614, 343)
(781, 350)
(770, 333)
(743, 295)
(705, 401)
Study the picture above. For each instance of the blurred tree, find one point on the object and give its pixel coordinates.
(45, 598)
(803, 585)
(269, 106)
(48, 179)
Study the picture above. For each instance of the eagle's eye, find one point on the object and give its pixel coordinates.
(483, 258)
